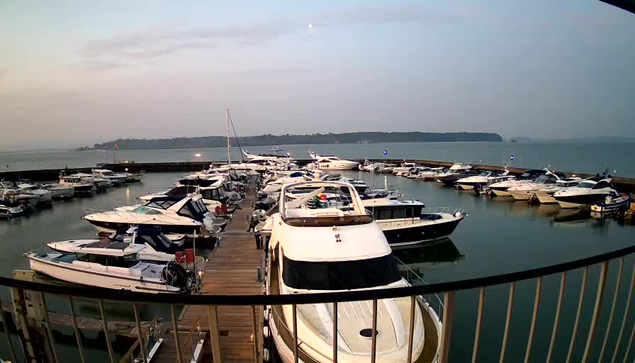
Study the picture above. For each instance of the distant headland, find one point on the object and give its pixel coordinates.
(268, 139)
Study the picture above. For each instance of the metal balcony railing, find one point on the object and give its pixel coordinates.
(26, 296)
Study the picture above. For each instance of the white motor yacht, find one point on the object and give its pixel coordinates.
(545, 194)
(9, 209)
(43, 196)
(168, 214)
(115, 178)
(59, 191)
(324, 245)
(589, 191)
(114, 265)
(406, 166)
(80, 185)
(500, 189)
(482, 180)
(429, 173)
(454, 173)
(332, 162)
(526, 191)
(158, 248)
(13, 195)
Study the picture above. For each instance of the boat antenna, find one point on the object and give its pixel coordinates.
(229, 145)
(231, 122)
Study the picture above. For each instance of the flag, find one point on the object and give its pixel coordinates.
(116, 147)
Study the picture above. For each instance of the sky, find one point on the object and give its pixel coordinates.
(76, 72)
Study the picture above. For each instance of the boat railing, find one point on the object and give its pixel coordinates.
(415, 278)
(598, 327)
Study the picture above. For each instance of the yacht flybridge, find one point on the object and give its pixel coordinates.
(323, 244)
(332, 162)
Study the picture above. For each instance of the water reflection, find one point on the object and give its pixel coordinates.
(417, 259)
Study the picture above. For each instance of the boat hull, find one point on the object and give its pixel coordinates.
(521, 194)
(418, 233)
(109, 227)
(546, 197)
(500, 192)
(579, 201)
(94, 279)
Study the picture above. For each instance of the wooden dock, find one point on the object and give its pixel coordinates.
(232, 269)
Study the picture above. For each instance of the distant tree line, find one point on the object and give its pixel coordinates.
(268, 139)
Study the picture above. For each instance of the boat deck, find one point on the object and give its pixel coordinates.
(232, 269)
(430, 345)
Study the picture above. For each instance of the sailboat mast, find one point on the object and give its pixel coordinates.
(229, 159)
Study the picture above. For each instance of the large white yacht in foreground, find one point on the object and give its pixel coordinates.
(321, 244)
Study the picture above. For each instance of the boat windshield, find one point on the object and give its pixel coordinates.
(322, 205)
(588, 185)
(145, 210)
(544, 179)
(340, 275)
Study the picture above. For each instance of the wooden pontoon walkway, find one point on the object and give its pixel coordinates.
(231, 270)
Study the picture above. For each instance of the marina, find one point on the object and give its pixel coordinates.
(405, 182)
(235, 261)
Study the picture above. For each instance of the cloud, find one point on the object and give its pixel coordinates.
(133, 48)
(96, 65)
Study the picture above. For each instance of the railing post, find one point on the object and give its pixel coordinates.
(24, 328)
(373, 352)
(599, 298)
(255, 332)
(448, 317)
(295, 333)
(413, 316)
(508, 319)
(78, 337)
(5, 325)
(618, 282)
(627, 309)
(214, 333)
(335, 333)
(144, 355)
(479, 320)
(556, 321)
(104, 323)
(175, 328)
(630, 342)
(49, 331)
(585, 277)
(534, 317)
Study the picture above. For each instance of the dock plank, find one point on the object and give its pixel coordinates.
(232, 269)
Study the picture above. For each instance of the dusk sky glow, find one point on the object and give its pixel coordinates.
(78, 72)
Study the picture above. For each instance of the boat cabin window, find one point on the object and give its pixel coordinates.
(601, 185)
(145, 210)
(182, 190)
(340, 275)
(212, 194)
(588, 185)
(191, 211)
(383, 213)
(116, 261)
(545, 179)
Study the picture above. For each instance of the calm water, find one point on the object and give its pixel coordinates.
(498, 236)
(589, 157)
